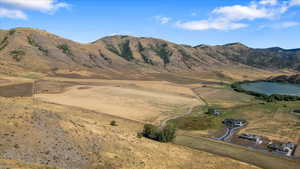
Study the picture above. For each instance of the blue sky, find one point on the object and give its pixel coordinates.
(256, 23)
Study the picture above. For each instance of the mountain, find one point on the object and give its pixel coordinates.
(26, 49)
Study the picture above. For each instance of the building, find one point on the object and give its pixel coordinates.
(286, 148)
(234, 123)
(251, 137)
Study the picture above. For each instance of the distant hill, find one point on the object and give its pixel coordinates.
(39, 51)
(285, 78)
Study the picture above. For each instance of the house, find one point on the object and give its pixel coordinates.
(234, 123)
(286, 148)
(214, 112)
(251, 137)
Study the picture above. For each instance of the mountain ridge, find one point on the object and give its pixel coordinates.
(40, 51)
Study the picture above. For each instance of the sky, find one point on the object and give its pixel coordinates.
(256, 23)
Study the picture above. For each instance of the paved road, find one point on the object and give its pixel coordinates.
(229, 133)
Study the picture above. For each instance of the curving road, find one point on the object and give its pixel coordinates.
(229, 133)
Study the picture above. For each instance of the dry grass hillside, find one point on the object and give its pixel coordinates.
(68, 137)
(26, 50)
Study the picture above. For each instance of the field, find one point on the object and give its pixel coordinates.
(144, 101)
(67, 125)
(273, 120)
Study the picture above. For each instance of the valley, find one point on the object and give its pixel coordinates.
(70, 105)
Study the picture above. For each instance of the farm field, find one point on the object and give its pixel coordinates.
(144, 101)
(84, 108)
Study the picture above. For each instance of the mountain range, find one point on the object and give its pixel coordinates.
(27, 49)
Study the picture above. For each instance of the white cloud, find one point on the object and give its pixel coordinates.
(40, 5)
(12, 14)
(214, 24)
(238, 12)
(163, 19)
(268, 2)
(234, 17)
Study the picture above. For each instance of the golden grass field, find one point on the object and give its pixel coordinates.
(144, 101)
(67, 125)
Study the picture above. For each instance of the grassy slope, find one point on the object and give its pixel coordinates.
(68, 137)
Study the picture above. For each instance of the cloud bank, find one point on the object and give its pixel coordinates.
(14, 8)
(236, 16)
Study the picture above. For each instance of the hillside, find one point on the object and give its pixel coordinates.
(31, 50)
(67, 137)
(285, 78)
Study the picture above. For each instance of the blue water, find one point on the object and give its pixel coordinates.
(270, 88)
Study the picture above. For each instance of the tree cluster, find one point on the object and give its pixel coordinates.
(165, 134)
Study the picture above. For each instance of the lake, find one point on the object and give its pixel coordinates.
(270, 88)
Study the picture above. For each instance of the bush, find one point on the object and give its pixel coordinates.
(165, 134)
(113, 123)
(17, 55)
(139, 135)
(66, 49)
(32, 42)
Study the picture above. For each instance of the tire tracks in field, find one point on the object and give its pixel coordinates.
(190, 110)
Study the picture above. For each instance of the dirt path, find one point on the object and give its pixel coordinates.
(199, 97)
(164, 123)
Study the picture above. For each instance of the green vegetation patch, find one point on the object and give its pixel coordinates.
(32, 42)
(145, 57)
(17, 54)
(165, 134)
(125, 51)
(65, 49)
(200, 120)
(163, 53)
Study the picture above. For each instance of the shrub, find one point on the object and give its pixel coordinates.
(165, 134)
(32, 42)
(139, 135)
(17, 55)
(113, 123)
(66, 49)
